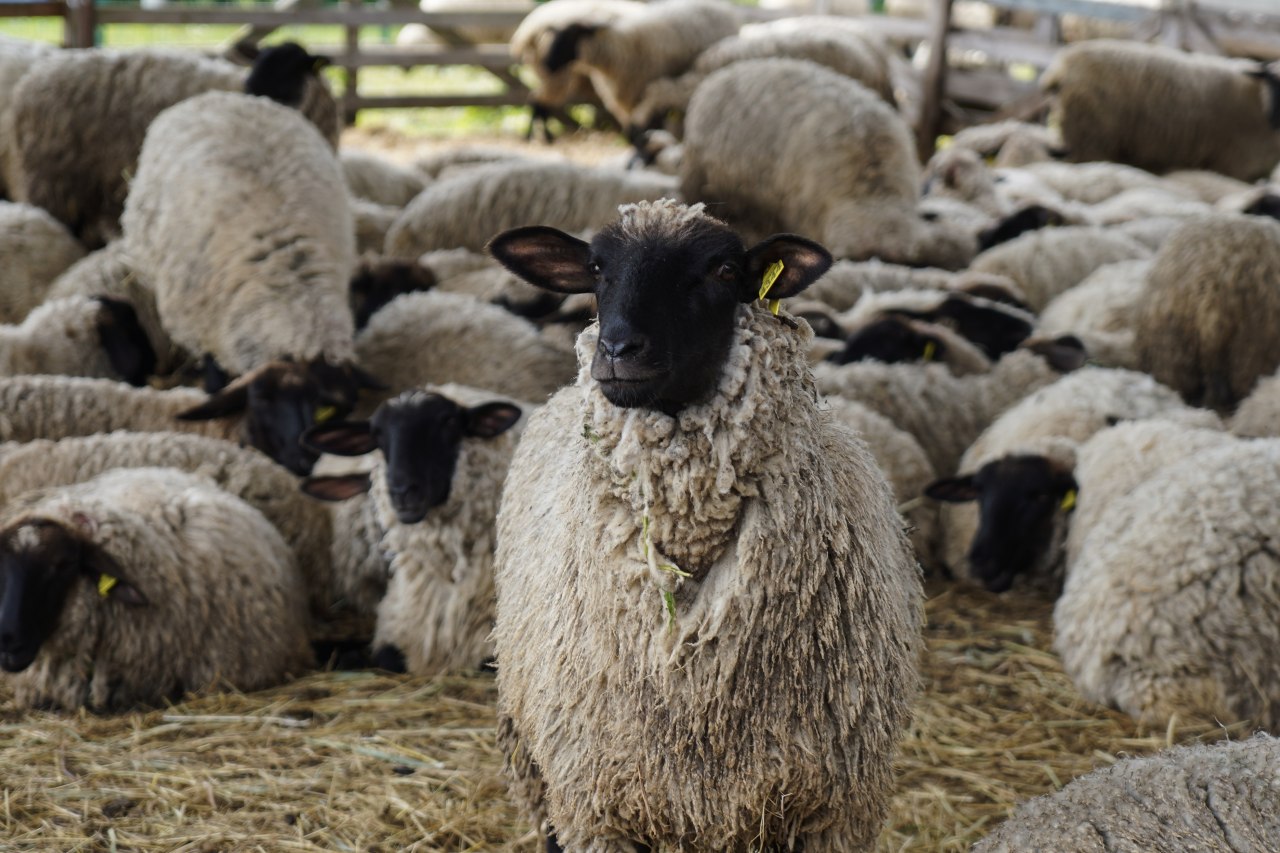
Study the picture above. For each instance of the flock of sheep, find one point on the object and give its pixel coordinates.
(264, 399)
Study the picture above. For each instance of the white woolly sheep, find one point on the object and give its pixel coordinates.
(466, 210)
(785, 145)
(434, 337)
(1175, 110)
(1101, 311)
(1211, 308)
(35, 249)
(1219, 797)
(380, 181)
(1171, 607)
(140, 586)
(79, 119)
(663, 529)
(79, 336)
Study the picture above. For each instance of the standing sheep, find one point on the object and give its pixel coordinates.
(717, 581)
(785, 145)
(140, 586)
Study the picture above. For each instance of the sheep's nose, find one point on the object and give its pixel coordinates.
(621, 347)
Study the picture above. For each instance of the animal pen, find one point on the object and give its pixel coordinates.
(365, 761)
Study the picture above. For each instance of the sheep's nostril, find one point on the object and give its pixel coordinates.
(621, 348)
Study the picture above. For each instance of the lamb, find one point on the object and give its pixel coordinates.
(1102, 312)
(436, 337)
(1175, 110)
(760, 139)
(1046, 263)
(34, 249)
(79, 119)
(1200, 797)
(1007, 511)
(79, 336)
(943, 412)
(1171, 606)
(140, 586)
(657, 505)
(380, 181)
(466, 210)
(623, 56)
(1211, 309)
(434, 492)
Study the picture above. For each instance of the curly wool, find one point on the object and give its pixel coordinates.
(35, 248)
(767, 678)
(1173, 605)
(1218, 797)
(225, 604)
(239, 216)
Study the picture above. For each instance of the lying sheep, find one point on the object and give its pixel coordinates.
(654, 536)
(140, 586)
(1174, 110)
(1170, 607)
(1102, 312)
(761, 145)
(1219, 797)
(79, 119)
(34, 250)
(79, 336)
(380, 181)
(434, 491)
(848, 281)
(466, 210)
(434, 338)
(1211, 308)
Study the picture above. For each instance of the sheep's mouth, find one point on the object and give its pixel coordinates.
(16, 660)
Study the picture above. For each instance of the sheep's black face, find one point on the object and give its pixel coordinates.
(280, 73)
(39, 562)
(376, 284)
(992, 329)
(889, 340)
(668, 282)
(1018, 497)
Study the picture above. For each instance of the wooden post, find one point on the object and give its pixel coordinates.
(935, 80)
(350, 95)
(79, 27)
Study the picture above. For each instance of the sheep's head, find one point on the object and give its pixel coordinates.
(419, 434)
(1018, 499)
(281, 72)
(990, 326)
(668, 282)
(281, 400)
(40, 562)
(891, 340)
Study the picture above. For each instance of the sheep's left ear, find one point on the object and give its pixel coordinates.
(490, 420)
(545, 257)
(105, 573)
(803, 262)
(231, 400)
(953, 489)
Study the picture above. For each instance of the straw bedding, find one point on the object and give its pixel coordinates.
(368, 762)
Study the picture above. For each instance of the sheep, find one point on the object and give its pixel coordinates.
(1101, 311)
(623, 56)
(760, 139)
(79, 336)
(35, 249)
(1095, 183)
(1199, 797)
(434, 492)
(247, 474)
(140, 586)
(1009, 143)
(1170, 608)
(894, 339)
(943, 412)
(380, 181)
(1046, 263)
(984, 328)
(655, 537)
(1174, 111)
(466, 210)
(1006, 512)
(1210, 309)
(436, 337)
(79, 119)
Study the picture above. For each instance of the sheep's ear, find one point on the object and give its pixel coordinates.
(567, 45)
(1064, 354)
(953, 490)
(545, 257)
(803, 262)
(231, 400)
(345, 438)
(490, 420)
(336, 488)
(1267, 75)
(125, 341)
(105, 573)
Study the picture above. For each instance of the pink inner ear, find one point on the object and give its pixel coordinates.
(84, 523)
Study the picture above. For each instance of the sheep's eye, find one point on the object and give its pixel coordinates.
(594, 267)
(726, 272)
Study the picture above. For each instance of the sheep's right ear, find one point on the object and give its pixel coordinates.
(953, 490)
(802, 263)
(545, 257)
(490, 420)
(566, 46)
(336, 488)
(345, 438)
(232, 400)
(1064, 354)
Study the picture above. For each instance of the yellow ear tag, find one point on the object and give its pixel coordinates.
(1069, 501)
(771, 276)
(106, 583)
(930, 350)
(325, 413)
